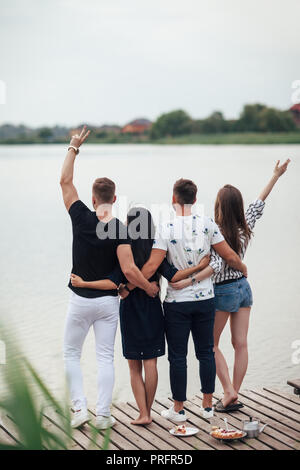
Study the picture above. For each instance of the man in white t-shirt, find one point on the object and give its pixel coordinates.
(185, 240)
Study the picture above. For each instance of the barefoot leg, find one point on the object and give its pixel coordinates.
(151, 379)
(230, 394)
(239, 324)
(138, 388)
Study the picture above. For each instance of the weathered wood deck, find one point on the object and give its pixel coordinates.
(281, 410)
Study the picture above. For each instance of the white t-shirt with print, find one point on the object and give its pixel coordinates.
(187, 239)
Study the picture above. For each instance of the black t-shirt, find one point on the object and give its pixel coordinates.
(95, 246)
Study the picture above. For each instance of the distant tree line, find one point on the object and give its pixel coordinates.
(254, 118)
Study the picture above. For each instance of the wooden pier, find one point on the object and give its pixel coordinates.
(279, 409)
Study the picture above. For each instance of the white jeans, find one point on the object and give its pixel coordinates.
(102, 313)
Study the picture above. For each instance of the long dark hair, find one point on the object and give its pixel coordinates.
(230, 216)
(141, 230)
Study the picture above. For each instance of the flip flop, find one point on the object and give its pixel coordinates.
(220, 408)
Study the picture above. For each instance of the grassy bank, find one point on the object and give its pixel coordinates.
(245, 138)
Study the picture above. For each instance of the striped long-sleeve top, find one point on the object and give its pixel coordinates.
(253, 213)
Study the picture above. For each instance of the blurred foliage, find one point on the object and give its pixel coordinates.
(25, 402)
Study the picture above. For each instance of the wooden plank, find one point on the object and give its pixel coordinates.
(292, 418)
(119, 439)
(294, 383)
(6, 439)
(77, 439)
(200, 440)
(82, 436)
(269, 438)
(203, 426)
(279, 400)
(138, 434)
(151, 432)
(10, 427)
(236, 423)
(288, 396)
(194, 408)
(274, 427)
(95, 441)
(204, 430)
(283, 424)
(165, 426)
(55, 428)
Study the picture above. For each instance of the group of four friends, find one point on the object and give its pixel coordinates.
(202, 260)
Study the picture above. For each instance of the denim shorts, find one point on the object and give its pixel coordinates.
(233, 296)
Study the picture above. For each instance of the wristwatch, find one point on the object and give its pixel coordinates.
(194, 280)
(74, 148)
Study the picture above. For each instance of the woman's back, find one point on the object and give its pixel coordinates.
(252, 214)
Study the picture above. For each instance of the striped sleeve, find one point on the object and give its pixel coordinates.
(215, 262)
(254, 212)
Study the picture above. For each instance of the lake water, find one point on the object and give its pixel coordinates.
(35, 249)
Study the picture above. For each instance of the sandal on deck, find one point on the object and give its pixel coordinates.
(220, 408)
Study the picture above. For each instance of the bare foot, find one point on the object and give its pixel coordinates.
(142, 420)
(229, 398)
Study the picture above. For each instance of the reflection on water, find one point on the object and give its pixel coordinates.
(35, 248)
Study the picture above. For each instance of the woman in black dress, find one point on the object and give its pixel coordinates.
(141, 316)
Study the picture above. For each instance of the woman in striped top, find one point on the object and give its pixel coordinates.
(233, 294)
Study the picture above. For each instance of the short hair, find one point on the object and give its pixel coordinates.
(104, 190)
(185, 191)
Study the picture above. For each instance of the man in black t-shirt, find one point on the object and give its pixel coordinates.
(100, 242)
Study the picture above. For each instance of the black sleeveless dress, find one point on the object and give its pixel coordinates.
(142, 318)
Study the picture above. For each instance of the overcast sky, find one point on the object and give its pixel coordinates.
(109, 61)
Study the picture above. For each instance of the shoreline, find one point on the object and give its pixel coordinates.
(246, 138)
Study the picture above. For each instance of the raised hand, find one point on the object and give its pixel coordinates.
(78, 139)
(279, 170)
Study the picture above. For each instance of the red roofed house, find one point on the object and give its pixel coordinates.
(295, 110)
(138, 126)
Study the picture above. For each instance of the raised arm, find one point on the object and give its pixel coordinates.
(230, 256)
(69, 191)
(279, 170)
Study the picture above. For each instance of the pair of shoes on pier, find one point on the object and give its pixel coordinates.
(181, 417)
(82, 417)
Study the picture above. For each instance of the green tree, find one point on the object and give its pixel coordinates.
(214, 124)
(45, 133)
(250, 117)
(171, 124)
(273, 120)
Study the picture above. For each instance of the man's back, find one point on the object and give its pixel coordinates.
(94, 247)
(187, 239)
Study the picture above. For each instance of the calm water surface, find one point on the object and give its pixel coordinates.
(35, 249)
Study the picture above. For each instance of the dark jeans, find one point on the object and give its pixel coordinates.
(181, 318)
